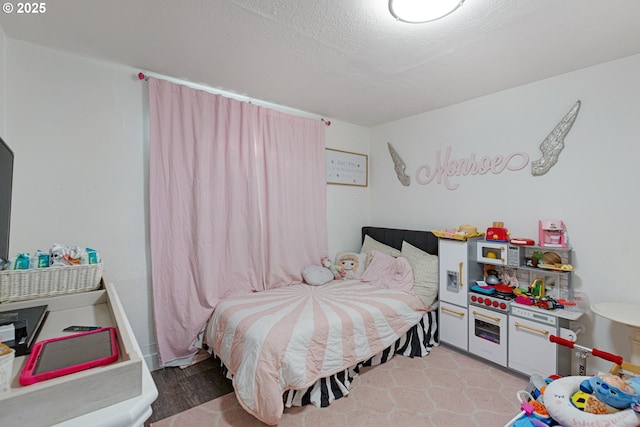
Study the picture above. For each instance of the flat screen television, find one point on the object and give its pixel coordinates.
(6, 184)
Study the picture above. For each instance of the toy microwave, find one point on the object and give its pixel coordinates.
(497, 253)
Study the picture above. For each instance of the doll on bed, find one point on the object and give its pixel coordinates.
(338, 272)
(350, 263)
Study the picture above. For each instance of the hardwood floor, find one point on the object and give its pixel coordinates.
(181, 389)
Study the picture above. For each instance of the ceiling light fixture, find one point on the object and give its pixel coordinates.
(421, 11)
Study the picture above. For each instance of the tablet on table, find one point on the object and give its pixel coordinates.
(60, 356)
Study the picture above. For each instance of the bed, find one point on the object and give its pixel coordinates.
(305, 344)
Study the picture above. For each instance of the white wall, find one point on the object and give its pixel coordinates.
(80, 175)
(79, 132)
(591, 188)
(3, 44)
(347, 205)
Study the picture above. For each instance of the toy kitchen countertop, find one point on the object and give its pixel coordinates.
(558, 312)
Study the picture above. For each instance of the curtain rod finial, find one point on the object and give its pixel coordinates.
(141, 76)
(326, 122)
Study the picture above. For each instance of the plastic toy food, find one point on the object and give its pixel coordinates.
(521, 241)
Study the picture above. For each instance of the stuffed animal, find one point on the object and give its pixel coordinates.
(338, 272)
(612, 390)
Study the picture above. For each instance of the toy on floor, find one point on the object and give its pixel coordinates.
(533, 412)
(558, 400)
(612, 390)
(600, 400)
(584, 352)
(579, 399)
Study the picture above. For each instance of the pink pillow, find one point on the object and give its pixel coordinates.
(385, 271)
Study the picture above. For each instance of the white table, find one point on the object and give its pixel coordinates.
(116, 395)
(128, 413)
(628, 314)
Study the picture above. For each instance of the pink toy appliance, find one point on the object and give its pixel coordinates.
(552, 233)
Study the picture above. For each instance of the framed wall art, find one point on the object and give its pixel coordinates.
(346, 168)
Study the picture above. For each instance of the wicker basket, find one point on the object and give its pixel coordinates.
(18, 285)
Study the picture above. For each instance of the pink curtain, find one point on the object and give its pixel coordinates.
(237, 204)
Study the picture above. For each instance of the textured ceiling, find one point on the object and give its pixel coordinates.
(344, 59)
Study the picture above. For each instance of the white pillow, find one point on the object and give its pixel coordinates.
(316, 275)
(370, 244)
(425, 273)
(353, 264)
(385, 271)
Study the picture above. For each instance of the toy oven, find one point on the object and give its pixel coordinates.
(488, 334)
(497, 253)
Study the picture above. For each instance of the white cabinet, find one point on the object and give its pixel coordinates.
(458, 269)
(530, 350)
(453, 325)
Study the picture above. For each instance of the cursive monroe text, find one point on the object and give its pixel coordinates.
(446, 167)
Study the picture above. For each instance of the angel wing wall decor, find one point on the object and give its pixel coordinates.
(553, 144)
(399, 166)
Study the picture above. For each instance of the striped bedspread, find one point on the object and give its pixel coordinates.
(288, 338)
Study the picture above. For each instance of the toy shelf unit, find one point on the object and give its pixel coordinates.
(522, 266)
(557, 281)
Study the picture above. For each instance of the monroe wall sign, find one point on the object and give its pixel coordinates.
(446, 166)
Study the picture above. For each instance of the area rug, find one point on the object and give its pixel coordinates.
(444, 389)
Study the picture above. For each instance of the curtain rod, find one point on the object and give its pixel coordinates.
(143, 76)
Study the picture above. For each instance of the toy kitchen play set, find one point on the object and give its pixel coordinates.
(502, 297)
